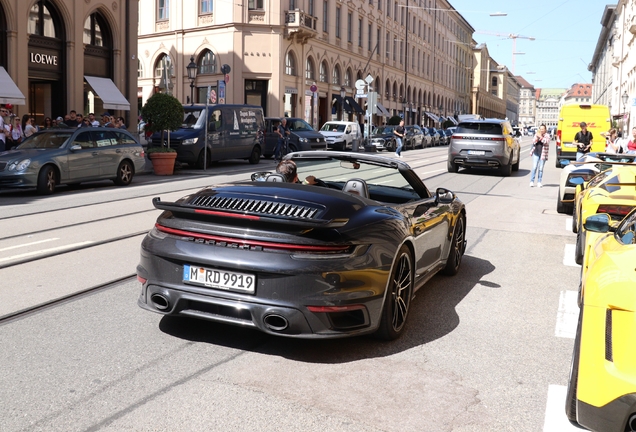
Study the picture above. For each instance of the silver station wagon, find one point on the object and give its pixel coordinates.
(71, 156)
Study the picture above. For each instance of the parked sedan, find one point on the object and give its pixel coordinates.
(383, 138)
(340, 257)
(71, 156)
(443, 138)
(435, 137)
(413, 137)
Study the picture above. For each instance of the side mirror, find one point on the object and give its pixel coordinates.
(75, 147)
(444, 196)
(598, 223)
(260, 176)
(577, 180)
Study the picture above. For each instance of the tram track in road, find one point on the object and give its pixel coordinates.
(41, 307)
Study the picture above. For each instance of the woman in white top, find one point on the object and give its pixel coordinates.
(613, 143)
(27, 126)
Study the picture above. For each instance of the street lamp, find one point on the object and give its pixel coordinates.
(192, 75)
(625, 98)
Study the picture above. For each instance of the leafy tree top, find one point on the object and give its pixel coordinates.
(162, 112)
(395, 120)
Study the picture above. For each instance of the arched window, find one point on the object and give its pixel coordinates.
(494, 81)
(323, 72)
(290, 64)
(207, 62)
(335, 78)
(140, 69)
(42, 22)
(394, 90)
(96, 31)
(347, 80)
(163, 64)
(310, 73)
(378, 85)
(387, 90)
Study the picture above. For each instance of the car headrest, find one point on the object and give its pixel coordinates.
(356, 186)
(276, 177)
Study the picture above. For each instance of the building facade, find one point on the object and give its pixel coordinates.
(489, 85)
(513, 89)
(580, 94)
(302, 58)
(527, 103)
(62, 55)
(548, 106)
(601, 64)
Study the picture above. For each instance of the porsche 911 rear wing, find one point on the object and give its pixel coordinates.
(281, 214)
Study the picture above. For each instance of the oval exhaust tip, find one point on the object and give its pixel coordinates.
(159, 301)
(276, 322)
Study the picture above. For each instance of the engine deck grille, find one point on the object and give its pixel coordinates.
(256, 206)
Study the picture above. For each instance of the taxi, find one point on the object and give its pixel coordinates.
(601, 394)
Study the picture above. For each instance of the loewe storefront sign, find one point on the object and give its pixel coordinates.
(44, 59)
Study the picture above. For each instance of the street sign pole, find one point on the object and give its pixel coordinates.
(207, 120)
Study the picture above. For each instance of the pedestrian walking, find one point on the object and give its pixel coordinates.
(281, 144)
(399, 133)
(539, 151)
(583, 140)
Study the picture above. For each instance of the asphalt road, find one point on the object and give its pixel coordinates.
(486, 350)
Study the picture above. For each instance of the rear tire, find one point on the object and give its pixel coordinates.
(47, 180)
(560, 204)
(125, 174)
(515, 166)
(506, 170)
(452, 167)
(255, 157)
(398, 297)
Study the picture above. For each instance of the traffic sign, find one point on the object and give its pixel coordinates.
(313, 88)
(360, 84)
(369, 79)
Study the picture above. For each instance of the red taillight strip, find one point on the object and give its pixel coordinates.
(226, 214)
(323, 309)
(142, 280)
(271, 245)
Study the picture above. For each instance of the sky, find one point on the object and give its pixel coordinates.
(565, 32)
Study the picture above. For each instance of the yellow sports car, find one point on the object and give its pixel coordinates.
(601, 393)
(612, 192)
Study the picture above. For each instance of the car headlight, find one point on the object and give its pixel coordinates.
(303, 140)
(20, 166)
(189, 141)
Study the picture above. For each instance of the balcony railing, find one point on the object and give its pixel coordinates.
(300, 24)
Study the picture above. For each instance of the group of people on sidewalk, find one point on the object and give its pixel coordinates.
(13, 129)
(583, 139)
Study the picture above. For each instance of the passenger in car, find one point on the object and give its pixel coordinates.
(289, 170)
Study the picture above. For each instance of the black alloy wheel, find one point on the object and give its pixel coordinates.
(125, 173)
(398, 297)
(458, 247)
(47, 180)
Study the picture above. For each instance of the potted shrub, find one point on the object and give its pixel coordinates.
(162, 112)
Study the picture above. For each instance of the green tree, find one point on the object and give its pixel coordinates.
(395, 120)
(162, 112)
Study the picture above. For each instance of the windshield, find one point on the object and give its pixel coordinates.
(333, 127)
(480, 128)
(193, 118)
(299, 125)
(382, 130)
(46, 140)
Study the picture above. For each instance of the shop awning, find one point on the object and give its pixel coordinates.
(431, 116)
(451, 118)
(382, 111)
(442, 119)
(109, 93)
(336, 98)
(9, 92)
(352, 106)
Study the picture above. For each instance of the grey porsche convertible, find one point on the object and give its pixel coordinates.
(342, 256)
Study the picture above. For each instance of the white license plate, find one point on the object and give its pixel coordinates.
(476, 152)
(221, 279)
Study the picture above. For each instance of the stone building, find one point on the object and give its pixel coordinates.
(303, 57)
(548, 106)
(527, 103)
(62, 55)
(577, 94)
(489, 85)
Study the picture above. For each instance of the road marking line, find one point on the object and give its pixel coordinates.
(568, 256)
(434, 171)
(555, 418)
(28, 244)
(568, 224)
(567, 315)
(44, 251)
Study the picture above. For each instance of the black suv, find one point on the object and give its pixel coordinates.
(302, 136)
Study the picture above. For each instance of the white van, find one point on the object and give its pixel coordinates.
(341, 135)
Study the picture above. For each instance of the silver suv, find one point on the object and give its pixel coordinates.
(484, 143)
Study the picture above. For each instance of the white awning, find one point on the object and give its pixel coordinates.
(432, 116)
(9, 92)
(109, 93)
(383, 111)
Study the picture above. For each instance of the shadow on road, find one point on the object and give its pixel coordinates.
(432, 316)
